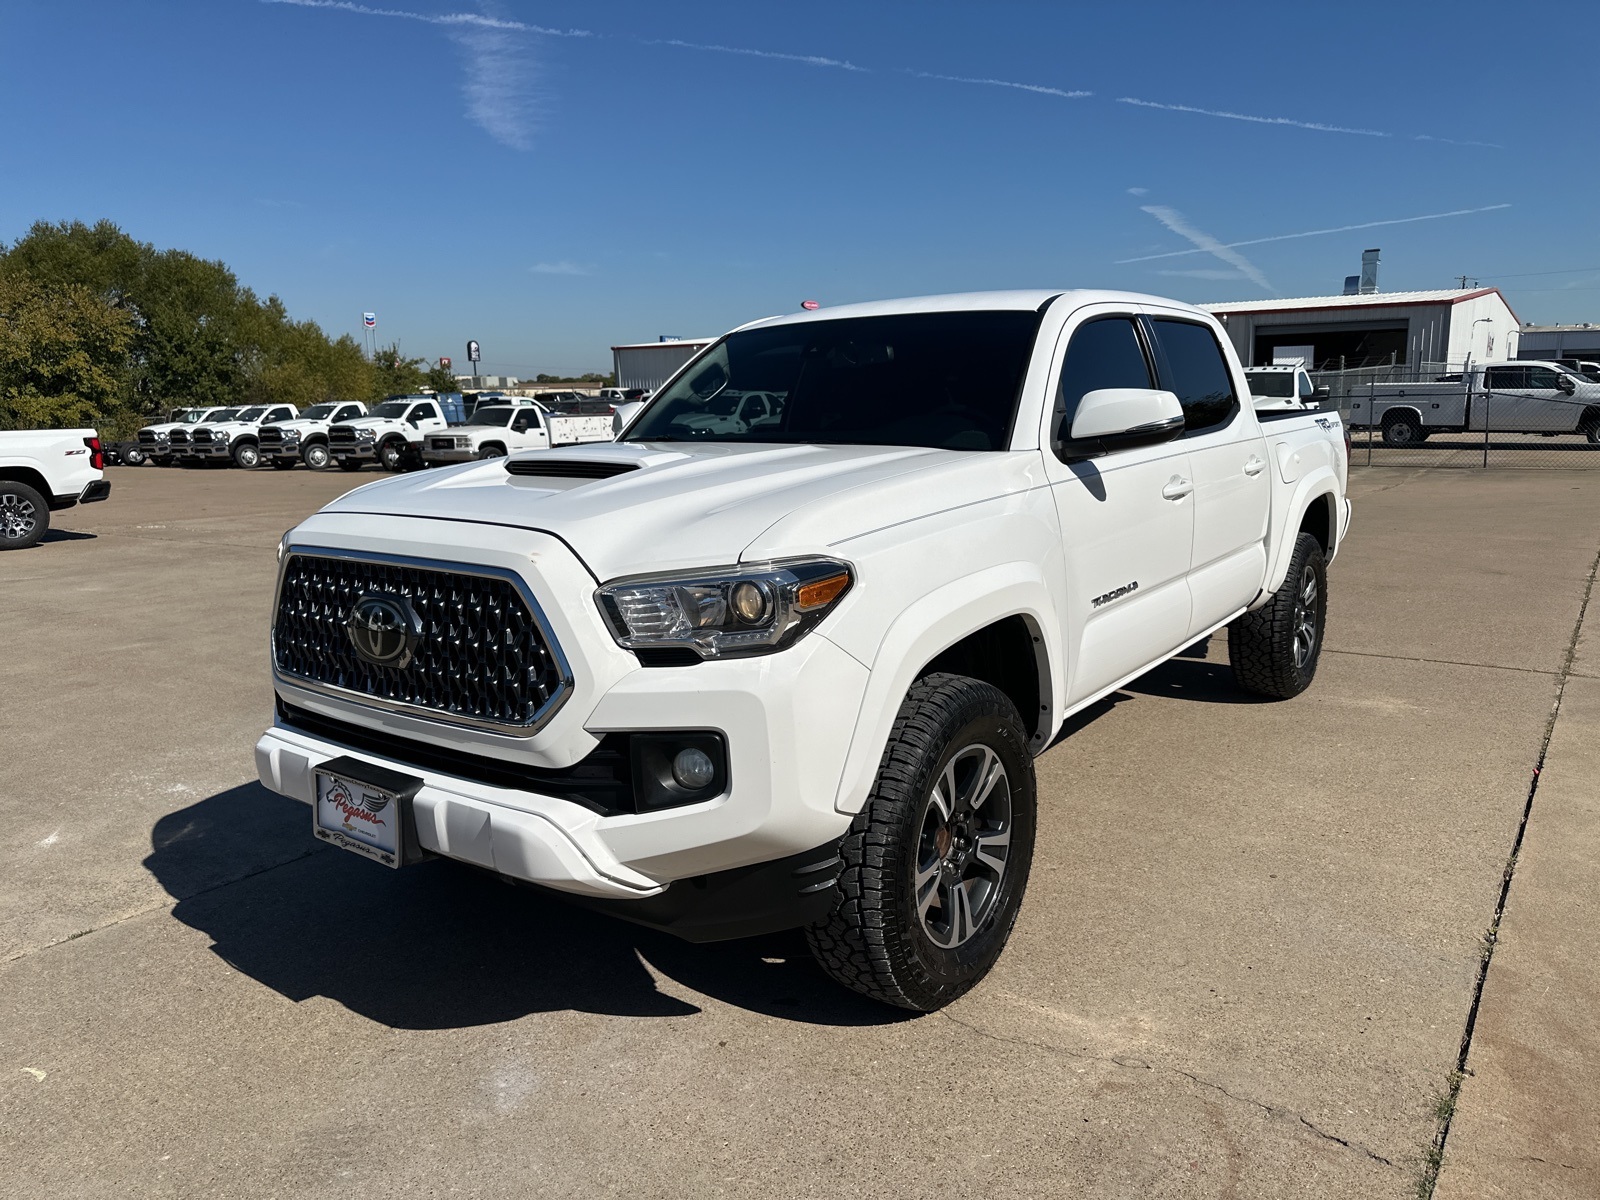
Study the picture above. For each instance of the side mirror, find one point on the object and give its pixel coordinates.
(1120, 419)
(1566, 383)
(1320, 396)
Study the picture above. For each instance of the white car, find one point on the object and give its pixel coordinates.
(305, 438)
(237, 439)
(493, 431)
(724, 683)
(42, 471)
(156, 440)
(391, 434)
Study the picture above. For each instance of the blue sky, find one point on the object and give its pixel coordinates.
(642, 169)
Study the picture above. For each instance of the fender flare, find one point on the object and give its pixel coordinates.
(1410, 408)
(1316, 484)
(934, 623)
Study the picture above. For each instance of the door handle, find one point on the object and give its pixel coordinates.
(1177, 488)
(1254, 466)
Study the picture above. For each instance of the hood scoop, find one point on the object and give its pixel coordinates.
(573, 468)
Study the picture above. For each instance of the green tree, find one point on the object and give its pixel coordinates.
(442, 379)
(63, 356)
(393, 373)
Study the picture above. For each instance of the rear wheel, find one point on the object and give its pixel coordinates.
(24, 515)
(936, 863)
(315, 456)
(1401, 429)
(133, 456)
(1275, 649)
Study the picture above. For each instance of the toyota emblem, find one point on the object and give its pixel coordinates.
(384, 629)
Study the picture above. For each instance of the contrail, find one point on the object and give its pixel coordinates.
(1206, 244)
(1233, 116)
(457, 18)
(1005, 83)
(1285, 237)
(810, 60)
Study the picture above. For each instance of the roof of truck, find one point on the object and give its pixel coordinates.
(1016, 301)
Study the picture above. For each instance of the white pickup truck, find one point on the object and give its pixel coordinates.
(305, 438)
(237, 439)
(729, 682)
(42, 471)
(1284, 389)
(493, 431)
(1510, 397)
(156, 440)
(391, 434)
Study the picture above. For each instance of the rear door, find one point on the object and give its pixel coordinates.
(1227, 457)
(1127, 519)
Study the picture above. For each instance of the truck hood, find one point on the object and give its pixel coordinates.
(372, 422)
(684, 507)
(297, 423)
(166, 427)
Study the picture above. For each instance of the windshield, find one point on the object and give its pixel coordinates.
(188, 416)
(1271, 383)
(394, 410)
(252, 414)
(222, 414)
(491, 416)
(318, 411)
(948, 380)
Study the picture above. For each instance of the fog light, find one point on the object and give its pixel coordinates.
(693, 769)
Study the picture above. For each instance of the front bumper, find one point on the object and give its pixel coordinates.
(464, 454)
(786, 719)
(211, 449)
(361, 450)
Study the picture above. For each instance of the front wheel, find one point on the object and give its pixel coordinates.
(246, 455)
(393, 455)
(1275, 649)
(24, 515)
(936, 863)
(134, 457)
(316, 456)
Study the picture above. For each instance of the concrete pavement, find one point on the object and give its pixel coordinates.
(1243, 968)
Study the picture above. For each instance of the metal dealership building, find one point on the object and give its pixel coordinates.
(1416, 329)
(650, 364)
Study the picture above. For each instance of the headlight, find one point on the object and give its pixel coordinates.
(731, 613)
(365, 434)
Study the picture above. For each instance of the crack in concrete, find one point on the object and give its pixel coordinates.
(164, 905)
(1129, 1061)
(1443, 662)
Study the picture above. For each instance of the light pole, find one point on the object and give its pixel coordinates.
(1466, 382)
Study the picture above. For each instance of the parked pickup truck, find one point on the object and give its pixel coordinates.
(1277, 389)
(390, 434)
(732, 681)
(42, 471)
(238, 439)
(1511, 397)
(497, 430)
(181, 437)
(305, 438)
(156, 440)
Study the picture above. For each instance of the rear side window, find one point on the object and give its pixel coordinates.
(1196, 371)
(1104, 353)
(1507, 377)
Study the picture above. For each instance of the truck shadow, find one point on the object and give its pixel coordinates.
(441, 945)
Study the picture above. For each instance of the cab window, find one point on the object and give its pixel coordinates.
(1194, 369)
(1543, 377)
(1506, 378)
(422, 412)
(1104, 353)
(525, 420)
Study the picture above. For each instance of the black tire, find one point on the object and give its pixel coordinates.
(246, 455)
(492, 450)
(392, 455)
(1589, 426)
(284, 464)
(316, 456)
(1401, 429)
(133, 456)
(879, 940)
(24, 515)
(350, 464)
(1268, 647)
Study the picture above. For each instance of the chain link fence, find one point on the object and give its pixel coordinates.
(1506, 414)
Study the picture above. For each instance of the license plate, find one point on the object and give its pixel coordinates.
(367, 810)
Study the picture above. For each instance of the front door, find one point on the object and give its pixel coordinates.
(1127, 518)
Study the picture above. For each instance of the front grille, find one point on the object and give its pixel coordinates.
(572, 469)
(448, 443)
(342, 436)
(482, 655)
(273, 436)
(202, 435)
(149, 437)
(180, 437)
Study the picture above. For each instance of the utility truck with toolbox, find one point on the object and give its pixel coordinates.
(728, 680)
(305, 438)
(493, 431)
(390, 435)
(44, 471)
(1508, 397)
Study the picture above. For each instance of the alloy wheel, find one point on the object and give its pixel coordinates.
(1305, 618)
(962, 846)
(17, 516)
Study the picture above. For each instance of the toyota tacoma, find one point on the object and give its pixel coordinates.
(729, 678)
